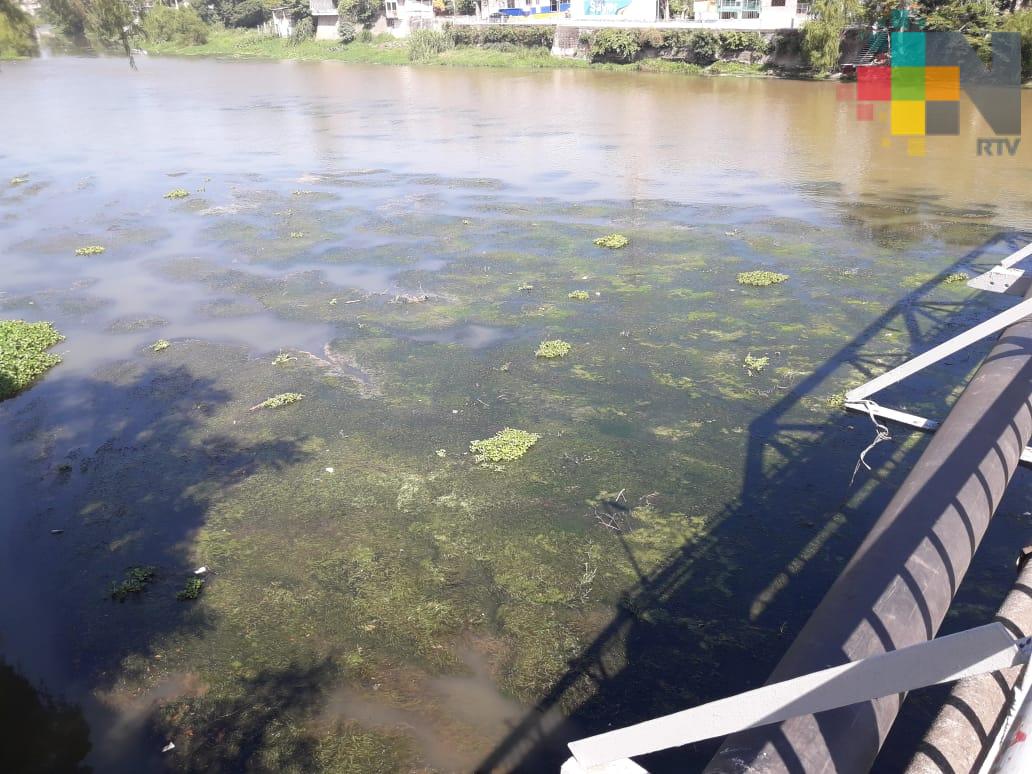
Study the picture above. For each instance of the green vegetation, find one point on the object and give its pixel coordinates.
(424, 45)
(160, 345)
(181, 26)
(822, 34)
(613, 241)
(278, 401)
(506, 445)
(23, 354)
(191, 589)
(177, 193)
(1021, 22)
(578, 295)
(613, 45)
(755, 364)
(17, 36)
(761, 279)
(90, 250)
(135, 582)
(956, 277)
(553, 348)
(283, 358)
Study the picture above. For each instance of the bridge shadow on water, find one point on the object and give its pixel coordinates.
(795, 492)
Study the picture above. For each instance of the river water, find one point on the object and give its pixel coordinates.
(394, 243)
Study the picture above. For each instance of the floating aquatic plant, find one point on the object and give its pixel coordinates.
(135, 581)
(526, 287)
(956, 277)
(90, 250)
(160, 345)
(297, 234)
(23, 354)
(553, 348)
(283, 358)
(278, 401)
(578, 295)
(177, 193)
(19, 180)
(755, 364)
(504, 446)
(191, 589)
(761, 279)
(613, 241)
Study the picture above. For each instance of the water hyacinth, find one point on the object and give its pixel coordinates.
(90, 250)
(160, 345)
(755, 364)
(956, 277)
(505, 446)
(613, 241)
(23, 354)
(177, 193)
(578, 295)
(553, 348)
(761, 279)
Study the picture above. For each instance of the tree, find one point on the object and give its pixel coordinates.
(104, 23)
(363, 12)
(822, 35)
(17, 36)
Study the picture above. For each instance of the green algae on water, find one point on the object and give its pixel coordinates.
(278, 401)
(578, 295)
(755, 364)
(505, 446)
(177, 193)
(553, 348)
(160, 345)
(191, 589)
(761, 279)
(90, 250)
(613, 241)
(23, 354)
(135, 581)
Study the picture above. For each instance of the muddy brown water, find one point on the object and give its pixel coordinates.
(406, 237)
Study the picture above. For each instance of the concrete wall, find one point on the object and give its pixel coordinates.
(326, 27)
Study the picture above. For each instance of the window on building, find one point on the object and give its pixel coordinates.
(777, 3)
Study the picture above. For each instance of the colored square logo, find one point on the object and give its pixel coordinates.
(908, 117)
(942, 117)
(908, 49)
(908, 83)
(874, 84)
(864, 111)
(942, 84)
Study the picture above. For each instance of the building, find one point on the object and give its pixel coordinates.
(539, 9)
(405, 15)
(762, 14)
(324, 14)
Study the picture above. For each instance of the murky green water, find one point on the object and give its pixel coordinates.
(404, 239)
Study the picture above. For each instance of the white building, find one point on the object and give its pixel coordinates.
(324, 13)
(761, 14)
(405, 15)
(538, 10)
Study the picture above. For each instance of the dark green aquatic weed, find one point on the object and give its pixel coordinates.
(761, 279)
(505, 446)
(23, 354)
(135, 582)
(553, 348)
(191, 589)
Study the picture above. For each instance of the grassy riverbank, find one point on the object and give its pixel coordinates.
(392, 51)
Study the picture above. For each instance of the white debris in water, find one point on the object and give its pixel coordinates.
(168, 747)
(200, 570)
(329, 470)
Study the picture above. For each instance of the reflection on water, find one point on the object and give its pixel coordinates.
(403, 238)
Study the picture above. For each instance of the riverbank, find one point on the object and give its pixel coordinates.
(386, 50)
